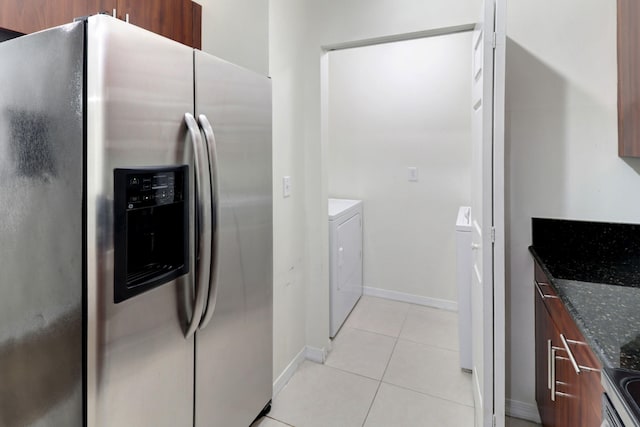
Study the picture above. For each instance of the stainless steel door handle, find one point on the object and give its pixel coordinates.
(210, 139)
(203, 207)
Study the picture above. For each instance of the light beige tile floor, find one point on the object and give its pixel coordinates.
(392, 364)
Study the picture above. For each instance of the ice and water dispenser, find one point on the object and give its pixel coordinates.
(151, 242)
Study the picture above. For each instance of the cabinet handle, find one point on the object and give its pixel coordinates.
(570, 353)
(559, 393)
(549, 362)
(542, 295)
(126, 18)
(582, 367)
(115, 13)
(553, 374)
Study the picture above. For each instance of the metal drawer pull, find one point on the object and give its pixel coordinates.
(542, 295)
(589, 369)
(570, 353)
(565, 341)
(549, 363)
(553, 374)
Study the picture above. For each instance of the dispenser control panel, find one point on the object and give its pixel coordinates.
(154, 189)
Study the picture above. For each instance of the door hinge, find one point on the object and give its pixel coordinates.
(493, 234)
(494, 40)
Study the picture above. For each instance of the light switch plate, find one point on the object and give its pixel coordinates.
(286, 186)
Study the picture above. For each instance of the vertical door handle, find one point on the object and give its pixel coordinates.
(203, 208)
(210, 139)
(340, 256)
(549, 362)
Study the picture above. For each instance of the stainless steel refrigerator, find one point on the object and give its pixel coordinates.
(135, 232)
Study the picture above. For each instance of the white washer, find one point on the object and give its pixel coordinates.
(345, 259)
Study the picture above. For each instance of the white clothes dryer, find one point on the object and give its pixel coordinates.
(345, 259)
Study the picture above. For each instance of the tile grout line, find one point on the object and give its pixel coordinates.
(371, 404)
(430, 345)
(386, 367)
(344, 371)
(472, 406)
(281, 422)
(419, 343)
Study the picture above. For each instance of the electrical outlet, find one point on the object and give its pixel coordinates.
(286, 186)
(413, 173)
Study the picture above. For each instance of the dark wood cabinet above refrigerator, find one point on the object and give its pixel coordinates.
(179, 20)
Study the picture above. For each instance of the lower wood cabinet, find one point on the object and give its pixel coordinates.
(568, 389)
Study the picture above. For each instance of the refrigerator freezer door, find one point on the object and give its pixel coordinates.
(139, 364)
(234, 349)
(41, 228)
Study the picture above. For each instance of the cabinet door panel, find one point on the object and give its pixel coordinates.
(567, 403)
(591, 394)
(169, 18)
(29, 16)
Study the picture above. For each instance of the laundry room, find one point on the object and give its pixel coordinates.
(399, 140)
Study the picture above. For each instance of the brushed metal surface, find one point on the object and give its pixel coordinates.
(41, 149)
(139, 365)
(234, 351)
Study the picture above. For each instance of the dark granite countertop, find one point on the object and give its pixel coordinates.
(608, 315)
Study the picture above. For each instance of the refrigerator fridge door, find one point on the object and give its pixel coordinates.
(41, 228)
(234, 342)
(139, 363)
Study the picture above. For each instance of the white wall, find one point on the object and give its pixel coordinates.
(392, 106)
(298, 29)
(561, 139)
(237, 31)
(287, 23)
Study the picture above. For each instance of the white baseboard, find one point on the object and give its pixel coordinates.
(288, 372)
(410, 298)
(314, 354)
(525, 411)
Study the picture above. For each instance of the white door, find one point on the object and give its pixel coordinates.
(487, 210)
